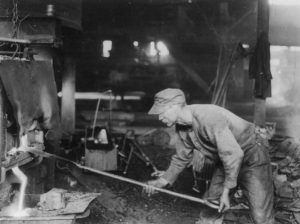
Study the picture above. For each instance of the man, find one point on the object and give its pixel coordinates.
(226, 139)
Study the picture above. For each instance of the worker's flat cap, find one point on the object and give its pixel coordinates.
(167, 97)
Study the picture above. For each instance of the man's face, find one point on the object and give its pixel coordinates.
(168, 116)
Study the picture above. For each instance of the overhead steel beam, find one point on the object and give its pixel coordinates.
(152, 1)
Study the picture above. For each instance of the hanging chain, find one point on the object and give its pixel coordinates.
(15, 25)
(15, 19)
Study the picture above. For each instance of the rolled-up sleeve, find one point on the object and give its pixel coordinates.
(228, 150)
(180, 160)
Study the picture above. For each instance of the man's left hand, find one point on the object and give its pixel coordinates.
(159, 183)
(224, 201)
(158, 173)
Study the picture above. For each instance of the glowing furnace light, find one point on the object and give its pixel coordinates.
(135, 43)
(106, 48)
(162, 49)
(285, 2)
(153, 51)
(22, 177)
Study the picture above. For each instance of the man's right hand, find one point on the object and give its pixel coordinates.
(159, 183)
(224, 201)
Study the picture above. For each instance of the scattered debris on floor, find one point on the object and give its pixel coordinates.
(122, 202)
(57, 205)
(285, 157)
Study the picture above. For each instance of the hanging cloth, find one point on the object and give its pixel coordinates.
(259, 68)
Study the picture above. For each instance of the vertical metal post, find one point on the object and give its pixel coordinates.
(262, 26)
(68, 96)
(2, 132)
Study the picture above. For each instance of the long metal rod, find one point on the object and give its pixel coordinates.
(15, 40)
(95, 117)
(191, 198)
(184, 196)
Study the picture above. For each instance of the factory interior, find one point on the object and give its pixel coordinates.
(77, 81)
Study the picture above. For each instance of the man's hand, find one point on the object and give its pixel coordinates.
(224, 201)
(159, 183)
(158, 173)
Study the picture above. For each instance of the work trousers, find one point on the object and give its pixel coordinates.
(255, 179)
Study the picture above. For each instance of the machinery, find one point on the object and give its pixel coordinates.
(100, 152)
(13, 144)
(6, 140)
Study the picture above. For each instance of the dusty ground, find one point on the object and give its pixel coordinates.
(125, 203)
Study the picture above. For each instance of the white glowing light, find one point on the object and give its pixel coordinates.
(162, 49)
(132, 97)
(275, 62)
(278, 48)
(106, 48)
(22, 177)
(22, 213)
(295, 49)
(245, 46)
(285, 2)
(153, 51)
(135, 43)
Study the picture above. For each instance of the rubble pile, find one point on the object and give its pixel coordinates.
(285, 156)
